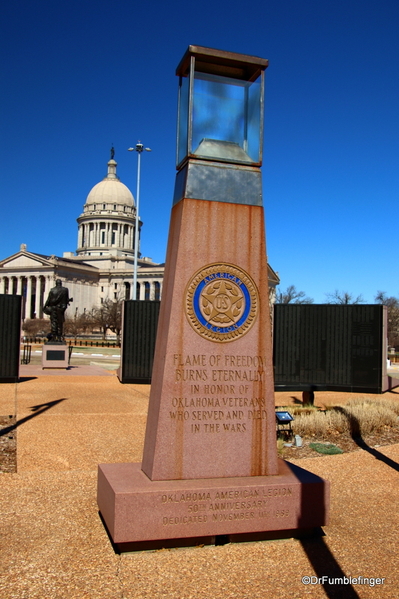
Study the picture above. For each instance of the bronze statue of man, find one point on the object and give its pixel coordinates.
(55, 306)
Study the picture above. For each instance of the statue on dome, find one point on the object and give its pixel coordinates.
(56, 304)
(112, 152)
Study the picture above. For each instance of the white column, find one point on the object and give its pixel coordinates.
(37, 298)
(19, 286)
(28, 297)
(152, 291)
(142, 290)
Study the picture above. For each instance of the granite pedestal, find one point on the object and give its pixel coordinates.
(137, 509)
(55, 355)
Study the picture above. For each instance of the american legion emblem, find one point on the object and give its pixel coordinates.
(222, 302)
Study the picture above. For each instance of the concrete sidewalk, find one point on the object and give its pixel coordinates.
(36, 370)
(54, 544)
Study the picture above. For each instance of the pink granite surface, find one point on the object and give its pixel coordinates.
(136, 509)
(210, 462)
(211, 411)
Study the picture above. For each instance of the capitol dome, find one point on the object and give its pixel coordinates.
(110, 191)
(107, 224)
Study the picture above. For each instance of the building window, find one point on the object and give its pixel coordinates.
(115, 285)
(157, 288)
(102, 289)
(146, 291)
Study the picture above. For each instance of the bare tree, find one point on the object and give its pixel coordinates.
(292, 296)
(343, 297)
(78, 324)
(392, 304)
(100, 318)
(34, 327)
(109, 316)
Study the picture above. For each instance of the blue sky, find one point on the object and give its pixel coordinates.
(78, 76)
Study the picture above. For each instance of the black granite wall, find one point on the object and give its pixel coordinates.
(139, 330)
(10, 336)
(329, 347)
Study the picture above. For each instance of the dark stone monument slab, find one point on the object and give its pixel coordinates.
(331, 348)
(139, 330)
(10, 337)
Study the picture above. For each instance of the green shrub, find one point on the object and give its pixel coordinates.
(325, 448)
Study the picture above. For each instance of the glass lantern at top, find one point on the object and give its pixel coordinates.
(220, 115)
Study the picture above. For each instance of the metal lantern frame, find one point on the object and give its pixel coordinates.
(226, 67)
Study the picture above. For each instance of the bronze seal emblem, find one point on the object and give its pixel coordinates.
(222, 302)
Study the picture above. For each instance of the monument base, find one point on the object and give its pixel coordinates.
(55, 355)
(136, 509)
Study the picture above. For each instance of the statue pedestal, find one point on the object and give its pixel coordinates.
(55, 355)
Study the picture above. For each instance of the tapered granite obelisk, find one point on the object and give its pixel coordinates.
(212, 401)
(210, 463)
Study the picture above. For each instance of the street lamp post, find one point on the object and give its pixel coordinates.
(139, 148)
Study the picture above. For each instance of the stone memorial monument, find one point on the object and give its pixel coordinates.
(54, 356)
(210, 464)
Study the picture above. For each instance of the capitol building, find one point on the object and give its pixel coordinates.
(102, 266)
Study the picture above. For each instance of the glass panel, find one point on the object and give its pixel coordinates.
(254, 120)
(182, 130)
(226, 118)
